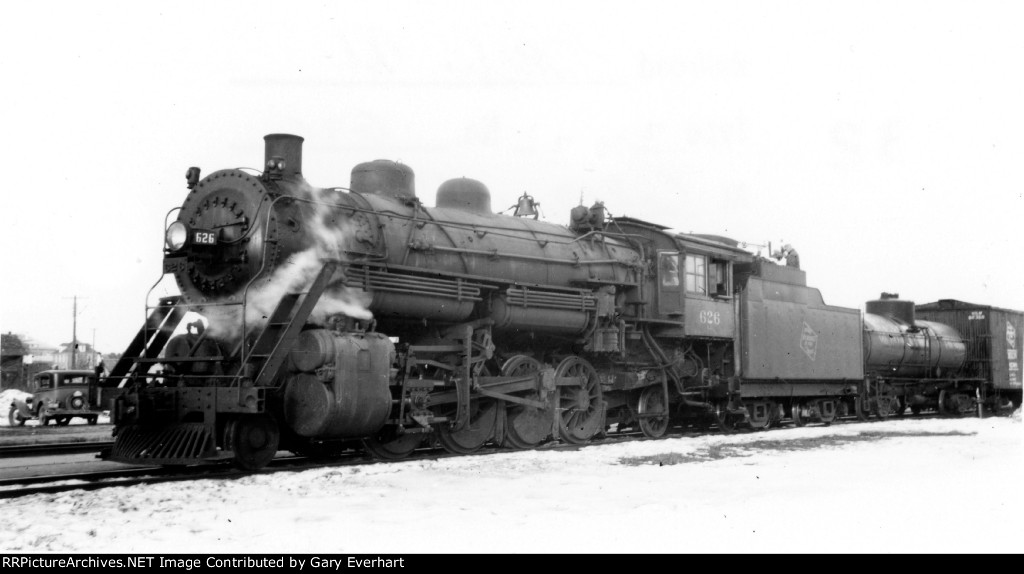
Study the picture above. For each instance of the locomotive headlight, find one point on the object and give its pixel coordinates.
(176, 236)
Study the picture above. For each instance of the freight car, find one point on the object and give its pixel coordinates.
(317, 320)
(992, 341)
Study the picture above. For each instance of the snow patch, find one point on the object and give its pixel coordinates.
(786, 490)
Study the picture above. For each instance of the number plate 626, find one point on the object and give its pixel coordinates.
(204, 238)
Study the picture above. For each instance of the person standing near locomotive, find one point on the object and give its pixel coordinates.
(790, 254)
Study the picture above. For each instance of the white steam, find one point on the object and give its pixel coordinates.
(329, 232)
(296, 275)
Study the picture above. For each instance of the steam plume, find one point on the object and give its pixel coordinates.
(329, 232)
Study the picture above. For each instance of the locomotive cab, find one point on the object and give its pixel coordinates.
(708, 309)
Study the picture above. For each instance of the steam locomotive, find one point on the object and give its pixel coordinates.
(320, 320)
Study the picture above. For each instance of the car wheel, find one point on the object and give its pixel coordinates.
(63, 421)
(43, 419)
(14, 417)
(92, 420)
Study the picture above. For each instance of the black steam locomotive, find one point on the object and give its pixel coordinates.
(321, 320)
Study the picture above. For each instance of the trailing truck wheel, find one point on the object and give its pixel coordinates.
(721, 417)
(253, 439)
(14, 417)
(652, 400)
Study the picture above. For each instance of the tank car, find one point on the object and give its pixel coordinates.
(912, 362)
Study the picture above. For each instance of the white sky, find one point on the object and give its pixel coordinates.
(957, 491)
(882, 139)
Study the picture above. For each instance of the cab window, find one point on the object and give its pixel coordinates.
(669, 265)
(696, 274)
(720, 277)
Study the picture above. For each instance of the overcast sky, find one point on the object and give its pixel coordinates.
(882, 139)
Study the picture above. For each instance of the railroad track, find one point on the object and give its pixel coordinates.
(53, 448)
(132, 476)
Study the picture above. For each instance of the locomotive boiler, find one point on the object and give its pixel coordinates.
(322, 320)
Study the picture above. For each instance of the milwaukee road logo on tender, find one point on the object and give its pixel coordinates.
(809, 341)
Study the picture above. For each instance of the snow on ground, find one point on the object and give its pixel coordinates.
(8, 396)
(906, 486)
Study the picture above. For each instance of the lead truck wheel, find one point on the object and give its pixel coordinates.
(388, 445)
(254, 440)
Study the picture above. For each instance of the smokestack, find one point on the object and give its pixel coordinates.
(283, 157)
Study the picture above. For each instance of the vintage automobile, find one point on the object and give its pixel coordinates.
(59, 396)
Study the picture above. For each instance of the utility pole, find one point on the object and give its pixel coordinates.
(74, 332)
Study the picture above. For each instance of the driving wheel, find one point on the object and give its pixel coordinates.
(580, 407)
(525, 426)
(483, 415)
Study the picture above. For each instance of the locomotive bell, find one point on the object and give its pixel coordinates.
(526, 207)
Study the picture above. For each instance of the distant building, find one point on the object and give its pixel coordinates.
(22, 358)
(85, 357)
(12, 364)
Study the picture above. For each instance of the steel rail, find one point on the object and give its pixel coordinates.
(22, 450)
